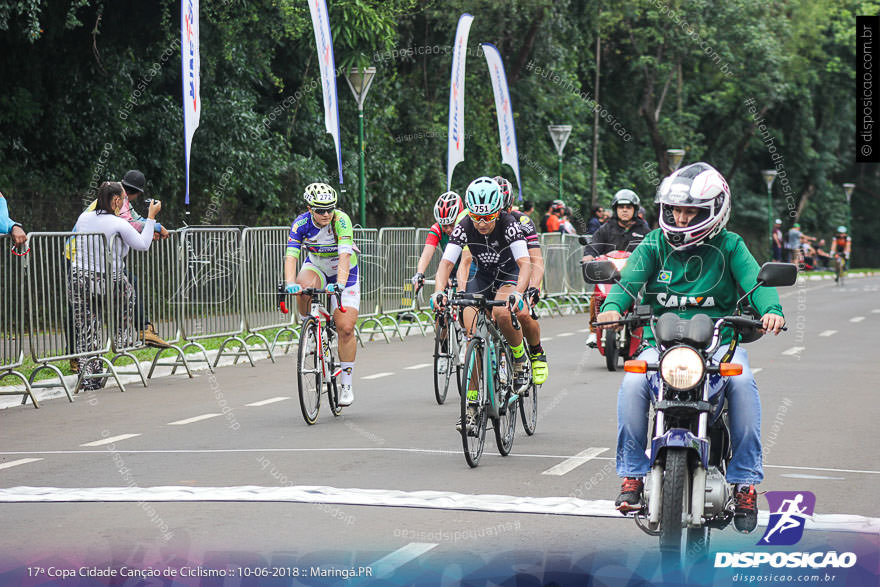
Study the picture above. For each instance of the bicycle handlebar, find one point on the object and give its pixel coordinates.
(308, 291)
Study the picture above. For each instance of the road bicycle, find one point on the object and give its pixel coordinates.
(317, 362)
(449, 340)
(488, 374)
(839, 268)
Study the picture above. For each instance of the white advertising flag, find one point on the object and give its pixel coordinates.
(455, 152)
(327, 61)
(504, 110)
(192, 98)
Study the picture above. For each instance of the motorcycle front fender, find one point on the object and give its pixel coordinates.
(679, 437)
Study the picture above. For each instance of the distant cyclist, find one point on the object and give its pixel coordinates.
(448, 211)
(503, 267)
(330, 263)
(533, 294)
(623, 232)
(841, 245)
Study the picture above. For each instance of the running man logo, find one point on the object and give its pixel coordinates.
(789, 511)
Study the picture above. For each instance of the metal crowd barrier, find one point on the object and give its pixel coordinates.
(70, 294)
(262, 271)
(575, 286)
(12, 303)
(371, 267)
(402, 253)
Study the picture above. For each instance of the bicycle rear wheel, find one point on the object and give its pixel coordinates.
(442, 358)
(473, 432)
(505, 424)
(308, 367)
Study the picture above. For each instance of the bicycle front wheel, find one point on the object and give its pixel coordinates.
(443, 364)
(473, 403)
(505, 424)
(334, 367)
(308, 366)
(528, 408)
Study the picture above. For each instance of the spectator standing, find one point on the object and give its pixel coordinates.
(89, 285)
(777, 241)
(823, 258)
(552, 221)
(565, 225)
(10, 226)
(793, 244)
(596, 219)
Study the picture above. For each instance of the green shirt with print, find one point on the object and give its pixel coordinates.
(706, 279)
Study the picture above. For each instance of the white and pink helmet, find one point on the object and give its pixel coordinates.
(701, 186)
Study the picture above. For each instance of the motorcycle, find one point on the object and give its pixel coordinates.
(685, 493)
(610, 342)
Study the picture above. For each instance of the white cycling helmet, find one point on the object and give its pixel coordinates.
(447, 208)
(483, 196)
(320, 195)
(698, 185)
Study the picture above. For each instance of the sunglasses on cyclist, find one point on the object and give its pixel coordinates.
(322, 211)
(483, 218)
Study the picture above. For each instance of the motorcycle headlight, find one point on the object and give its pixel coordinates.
(682, 368)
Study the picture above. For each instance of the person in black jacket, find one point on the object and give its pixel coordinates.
(623, 232)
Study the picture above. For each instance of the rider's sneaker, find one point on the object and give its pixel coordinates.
(591, 340)
(346, 395)
(471, 421)
(630, 498)
(540, 370)
(745, 513)
(520, 373)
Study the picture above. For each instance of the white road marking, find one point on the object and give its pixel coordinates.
(857, 319)
(875, 311)
(584, 330)
(11, 464)
(414, 367)
(378, 375)
(575, 461)
(828, 333)
(757, 370)
(802, 476)
(110, 440)
(193, 419)
(451, 453)
(543, 338)
(385, 566)
(266, 402)
(561, 334)
(794, 350)
(438, 500)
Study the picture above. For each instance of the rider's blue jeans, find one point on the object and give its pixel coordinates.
(744, 408)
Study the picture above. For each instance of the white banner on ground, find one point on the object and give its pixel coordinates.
(455, 149)
(327, 61)
(189, 55)
(504, 110)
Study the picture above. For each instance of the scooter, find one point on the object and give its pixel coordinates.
(610, 342)
(686, 494)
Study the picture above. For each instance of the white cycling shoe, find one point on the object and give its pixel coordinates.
(346, 395)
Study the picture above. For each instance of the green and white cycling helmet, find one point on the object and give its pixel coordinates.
(841, 229)
(483, 197)
(320, 195)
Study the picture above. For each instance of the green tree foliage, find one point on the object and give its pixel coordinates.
(92, 88)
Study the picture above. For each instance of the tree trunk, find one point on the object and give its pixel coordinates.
(744, 141)
(526, 48)
(594, 194)
(805, 198)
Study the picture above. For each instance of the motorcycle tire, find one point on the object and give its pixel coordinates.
(611, 349)
(672, 508)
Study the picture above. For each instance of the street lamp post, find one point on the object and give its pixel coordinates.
(848, 190)
(769, 176)
(674, 158)
(559, 133)
(360, 80)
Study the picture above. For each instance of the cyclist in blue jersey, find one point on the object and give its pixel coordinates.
(330, 262)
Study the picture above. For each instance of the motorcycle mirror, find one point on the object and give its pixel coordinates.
(600, 272)
(777, 274)
(585, 239)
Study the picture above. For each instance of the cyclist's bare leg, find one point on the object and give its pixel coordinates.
(502, 317)
(306, 278)
(469, 317)
(345, 322)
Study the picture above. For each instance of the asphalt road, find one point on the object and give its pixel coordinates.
(386, 486)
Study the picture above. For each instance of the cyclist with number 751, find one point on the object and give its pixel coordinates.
(330, 263)
(499, 250)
